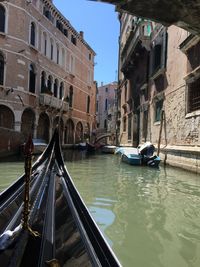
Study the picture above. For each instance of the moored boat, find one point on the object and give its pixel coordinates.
(68, 235)
(143, 155)
(131, 156)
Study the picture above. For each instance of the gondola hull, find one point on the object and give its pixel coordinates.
(68, 235)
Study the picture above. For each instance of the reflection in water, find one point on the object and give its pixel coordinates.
(150, 217)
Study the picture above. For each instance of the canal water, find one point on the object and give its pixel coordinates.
(150, 217)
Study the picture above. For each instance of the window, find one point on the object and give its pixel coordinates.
(47, 13)
(158, 54)
(63, 57)
(157, 57)
(49, 83)
(158, 109)
(106, 89)
(61, 92)
(193, 55)
(2, 19)
(65, 32)
(70, 96)
(57, 55)
(51, 50)
(45, 43)
(55, 88)
(59, 25)
(43, 82)
(32, 78)
(71, 67)
(73, 39)
(106, 104)
(32, 41)
(1, 69)
(88, 104)
(90, 56)
(194, 95)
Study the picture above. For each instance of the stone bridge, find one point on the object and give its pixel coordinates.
(182, 13)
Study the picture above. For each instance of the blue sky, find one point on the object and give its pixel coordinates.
(100, 25)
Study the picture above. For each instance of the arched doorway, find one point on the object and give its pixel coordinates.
(6, 117)
(28, 123)
(79, 132)
(69, 132)
(43, 127)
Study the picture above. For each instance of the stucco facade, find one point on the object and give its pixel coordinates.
(46, 69)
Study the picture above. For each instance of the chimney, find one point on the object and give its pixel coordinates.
(82, 34)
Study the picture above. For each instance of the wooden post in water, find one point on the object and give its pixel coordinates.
(160, 132)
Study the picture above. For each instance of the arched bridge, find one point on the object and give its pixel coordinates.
(101, 136)
(184, 14)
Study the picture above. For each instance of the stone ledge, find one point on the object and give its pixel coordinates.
(182, 149)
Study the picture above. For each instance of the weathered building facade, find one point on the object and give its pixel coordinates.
(46, 69)
(159, 90)
(106, 108)
(133, 77)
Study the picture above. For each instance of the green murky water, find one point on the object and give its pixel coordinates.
(150, 217)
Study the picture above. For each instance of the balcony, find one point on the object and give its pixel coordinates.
(53, 102)
(140, 34)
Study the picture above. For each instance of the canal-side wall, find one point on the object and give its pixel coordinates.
(184, 157)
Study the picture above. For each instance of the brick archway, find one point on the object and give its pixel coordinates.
(6, 117)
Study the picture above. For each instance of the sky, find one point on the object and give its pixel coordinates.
(100, 25)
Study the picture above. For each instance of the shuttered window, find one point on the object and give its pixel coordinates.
(194, 95)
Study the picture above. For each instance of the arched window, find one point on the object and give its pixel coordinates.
(32, 41)
(63, 57)
(88, 104)
(51, 56)
(55, 88)
(32, 78)
(57, 55)
(49, 83)
(61, 92)
(2, 19)
(45, 43)
(1, 69)
(43, 82)
(71, 66)
(70, 96)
